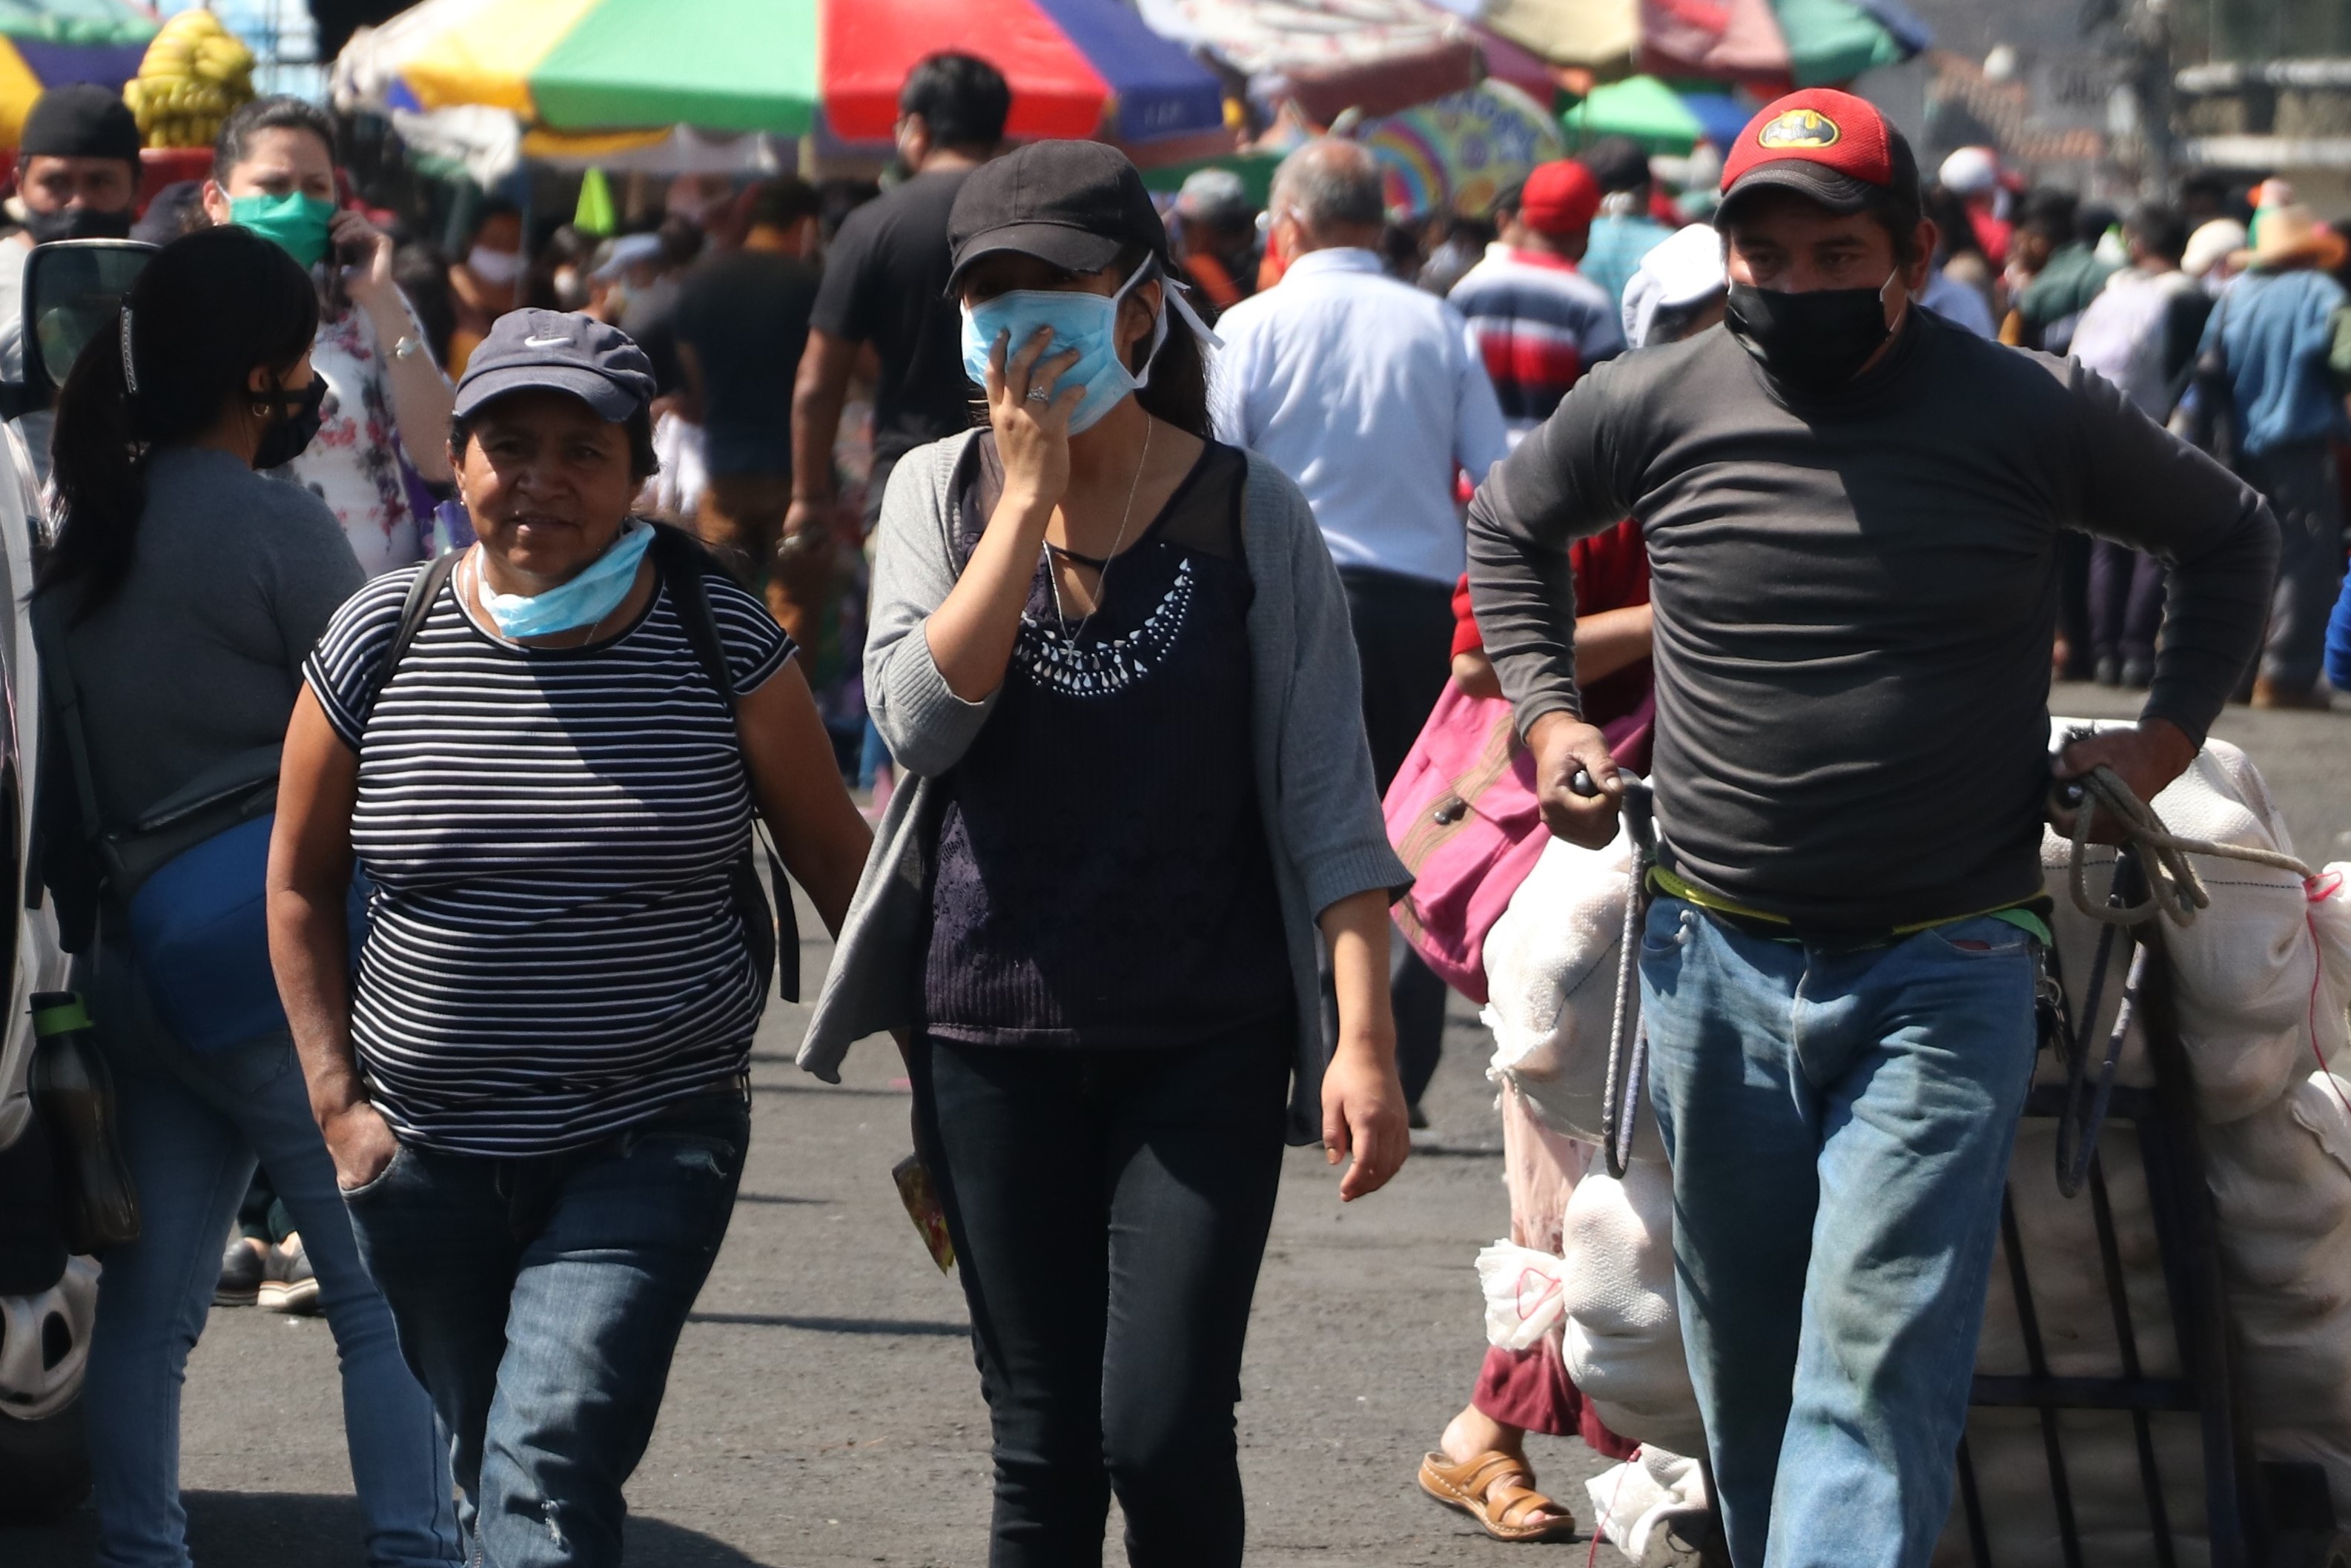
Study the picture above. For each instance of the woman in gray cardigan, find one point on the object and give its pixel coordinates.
(1112, 656)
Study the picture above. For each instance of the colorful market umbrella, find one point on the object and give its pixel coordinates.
(46, 43)
(1768, 45)
(1657, 116)
(1459, 152)
(1077, 67)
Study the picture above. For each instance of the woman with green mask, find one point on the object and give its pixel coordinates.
(386, 418)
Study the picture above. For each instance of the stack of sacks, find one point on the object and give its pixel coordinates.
(2261, 982)
(1552, 967)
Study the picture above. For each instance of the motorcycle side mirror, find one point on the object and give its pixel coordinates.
(72, 289)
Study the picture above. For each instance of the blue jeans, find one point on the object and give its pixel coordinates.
(541, 1301)
(1840, 1125)
(192, 1136)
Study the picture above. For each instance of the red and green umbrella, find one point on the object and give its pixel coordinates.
(1077, 67)
(47, 43)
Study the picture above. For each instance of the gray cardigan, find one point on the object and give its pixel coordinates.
(1321, 814)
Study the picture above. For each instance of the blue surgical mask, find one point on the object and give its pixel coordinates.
(1083, 321)
(582, 601)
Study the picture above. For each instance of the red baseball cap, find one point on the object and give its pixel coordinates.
(1825, 145)
(1559, 198)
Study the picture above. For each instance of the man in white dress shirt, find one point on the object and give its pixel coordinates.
(1371, 394)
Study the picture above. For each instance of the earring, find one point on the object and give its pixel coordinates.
(261, 410)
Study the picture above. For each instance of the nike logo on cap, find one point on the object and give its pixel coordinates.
(544, 342)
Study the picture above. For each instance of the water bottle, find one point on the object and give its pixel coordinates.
(73, 1094)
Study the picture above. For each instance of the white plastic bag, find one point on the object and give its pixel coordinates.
(1523, 1294)
(678, 447)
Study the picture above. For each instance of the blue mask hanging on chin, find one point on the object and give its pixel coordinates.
(1080, 320)
(582, 601)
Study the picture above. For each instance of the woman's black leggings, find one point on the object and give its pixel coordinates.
(1109, 1211)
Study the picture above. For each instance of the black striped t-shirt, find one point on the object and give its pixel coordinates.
(554, 952)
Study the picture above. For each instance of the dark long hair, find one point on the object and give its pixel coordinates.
(209, 308)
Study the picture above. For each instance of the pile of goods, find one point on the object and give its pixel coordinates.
(196, 75)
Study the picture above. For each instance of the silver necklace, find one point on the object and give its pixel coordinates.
(1101, 578)
(481, 599)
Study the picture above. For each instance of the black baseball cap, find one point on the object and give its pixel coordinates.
(1075, 205)
(559, 351)
(80, 119)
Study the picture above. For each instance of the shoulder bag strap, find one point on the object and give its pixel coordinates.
(683, 563)
(422, 591)
(64, 701)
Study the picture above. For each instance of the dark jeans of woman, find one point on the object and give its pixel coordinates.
(1109, 1211)
(539, 1301)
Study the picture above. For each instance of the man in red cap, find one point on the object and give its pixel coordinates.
(1540, 322)
(1852, 509)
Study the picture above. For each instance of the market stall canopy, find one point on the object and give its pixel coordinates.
(1077, 67)
(1657, 116)
(45, 43)
(1767, 45)
(1457, 154)
(1328, 56)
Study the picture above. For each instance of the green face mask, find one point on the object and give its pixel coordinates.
(295, 223)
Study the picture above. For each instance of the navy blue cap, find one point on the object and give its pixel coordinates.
(559, 351)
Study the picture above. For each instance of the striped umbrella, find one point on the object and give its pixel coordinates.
(47, 43)
(1077, 67)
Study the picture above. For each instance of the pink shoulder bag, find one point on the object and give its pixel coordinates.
(1463, 817)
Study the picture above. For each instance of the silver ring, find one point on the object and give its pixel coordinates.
(1039, 394)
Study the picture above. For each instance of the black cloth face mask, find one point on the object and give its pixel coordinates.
(291, 435)
(1813, 342)
(76, 222)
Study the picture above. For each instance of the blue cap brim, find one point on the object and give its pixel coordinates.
(609, 400)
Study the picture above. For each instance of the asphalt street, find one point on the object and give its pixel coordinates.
(823, 1410)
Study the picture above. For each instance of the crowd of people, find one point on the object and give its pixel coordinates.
(519, 591)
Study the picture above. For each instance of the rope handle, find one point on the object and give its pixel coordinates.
(2174, 889)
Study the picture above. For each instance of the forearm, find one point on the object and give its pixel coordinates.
(818, 395)
(1611, 641)
(422, 396)
(1523, 592)
(1357, 929)
(972, 633)
(309, 950)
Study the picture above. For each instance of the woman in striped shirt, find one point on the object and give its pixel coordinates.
(546, 755)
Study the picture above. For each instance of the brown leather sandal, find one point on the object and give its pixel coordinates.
(1498, 1490)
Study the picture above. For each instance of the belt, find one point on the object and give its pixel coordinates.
(2029, 915)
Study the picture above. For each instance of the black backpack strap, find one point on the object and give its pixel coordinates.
(422, 589)
(683, 563)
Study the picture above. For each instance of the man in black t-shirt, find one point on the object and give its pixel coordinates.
(886, 284)
(742, 320)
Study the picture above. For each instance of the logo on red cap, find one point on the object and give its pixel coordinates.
(1805, 129)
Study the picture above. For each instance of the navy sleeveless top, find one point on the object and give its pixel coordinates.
(1101, 877)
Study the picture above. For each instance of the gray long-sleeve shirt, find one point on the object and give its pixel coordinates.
(1855, 598)
(199, 656)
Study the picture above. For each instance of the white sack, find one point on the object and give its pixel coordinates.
(1622, 1342)
(1551, 969)
(1647, 1492)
